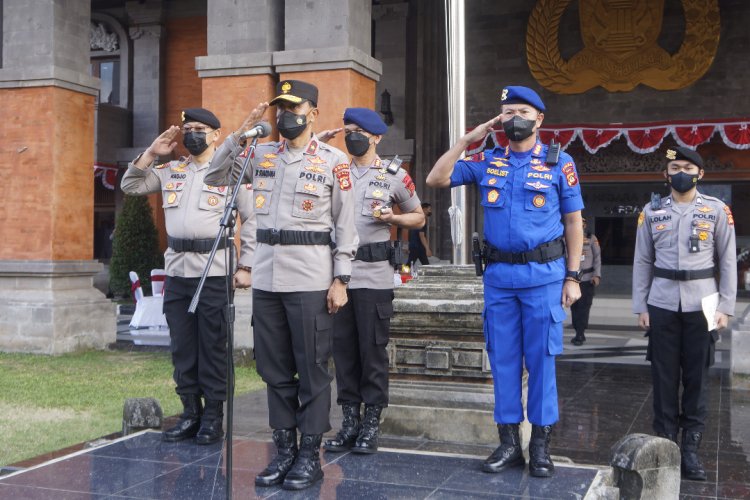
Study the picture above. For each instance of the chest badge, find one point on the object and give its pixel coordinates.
(307, 205)
(377, 193)
(311, 188)
(661, 227)
(492, 181)
(705, 209)
(539, 201)
(171, 198)
(260, 200)
(537, 185)
(703, 235)
(266, 164)
(213, 201)
(492, 196)
(169, 186)
(380, 177)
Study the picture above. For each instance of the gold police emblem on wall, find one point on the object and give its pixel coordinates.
(620, 46)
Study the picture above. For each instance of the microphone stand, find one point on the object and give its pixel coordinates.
(226, 232)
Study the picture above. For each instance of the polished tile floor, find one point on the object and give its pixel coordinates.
(604, 392)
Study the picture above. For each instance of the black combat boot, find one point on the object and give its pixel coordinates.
(347, 436)
(286, 453)
(212, 424)
(509, 453)
(367, 441)
(306, 470)
(579, 339)
(668, 435)
(690, 465)
(540, 463)
(190, 420)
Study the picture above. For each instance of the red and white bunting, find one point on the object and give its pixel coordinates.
(641, 138)
(107, 173)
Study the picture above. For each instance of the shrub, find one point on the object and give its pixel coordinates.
(135, 246)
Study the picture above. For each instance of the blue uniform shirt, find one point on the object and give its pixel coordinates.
(524, 200)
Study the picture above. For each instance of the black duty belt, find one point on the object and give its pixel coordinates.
(684, 274)
(285, 237)
(546, 252)
(197, 246)
(587, 270)
(374, 252)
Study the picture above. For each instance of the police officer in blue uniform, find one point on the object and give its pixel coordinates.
(532, 211)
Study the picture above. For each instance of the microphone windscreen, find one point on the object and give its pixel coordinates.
(266, 129)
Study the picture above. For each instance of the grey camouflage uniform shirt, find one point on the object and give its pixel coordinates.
(307, 190)
(662, 240)
(192, 210)
(377, 188)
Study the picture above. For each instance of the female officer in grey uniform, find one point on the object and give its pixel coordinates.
(361, 328)
(684, 251)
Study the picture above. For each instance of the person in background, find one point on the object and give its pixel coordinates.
(419, 242)
(591, 275)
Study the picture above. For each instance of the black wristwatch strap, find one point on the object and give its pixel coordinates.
(344, 278)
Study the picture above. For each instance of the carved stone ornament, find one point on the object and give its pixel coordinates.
(620, 45)
(101, 39)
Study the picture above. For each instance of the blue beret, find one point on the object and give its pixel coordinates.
(367, 119)
(200, 115)
(521, 95)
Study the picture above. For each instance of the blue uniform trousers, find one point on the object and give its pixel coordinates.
(524, 325)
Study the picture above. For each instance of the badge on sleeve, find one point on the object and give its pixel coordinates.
(641, 218)
(341, 171)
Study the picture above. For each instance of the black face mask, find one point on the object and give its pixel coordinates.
(357, 144)
(291, 125)
(195, 142)
(682, 182)
(518, 129)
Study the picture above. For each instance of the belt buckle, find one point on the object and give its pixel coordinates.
(275, 238)
(519, 258)
(683, 275)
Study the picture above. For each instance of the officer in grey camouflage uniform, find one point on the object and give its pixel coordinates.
(303, 199)
(361, 328)
(192, 212)
(591, 274)
(685, 251)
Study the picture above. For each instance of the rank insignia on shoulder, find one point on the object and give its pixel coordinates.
(730, 217)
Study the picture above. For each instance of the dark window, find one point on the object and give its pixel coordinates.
(108, 70)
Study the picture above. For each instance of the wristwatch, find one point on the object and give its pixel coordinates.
(344, 278)
(573, 275)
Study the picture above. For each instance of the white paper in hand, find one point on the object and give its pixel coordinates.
(710, 303)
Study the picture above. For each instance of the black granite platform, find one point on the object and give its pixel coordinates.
(142, 466)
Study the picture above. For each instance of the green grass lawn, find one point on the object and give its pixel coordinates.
(51, 402)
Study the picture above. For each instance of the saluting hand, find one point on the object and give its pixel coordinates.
(165, 143)
(327, 135)
(570, 293)
(480, 132)
(252, 119)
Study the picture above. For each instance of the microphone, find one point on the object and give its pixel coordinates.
(262, 129)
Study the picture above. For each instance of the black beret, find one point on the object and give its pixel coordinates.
(366, 118)
(295, 91)
(201, 115)
(686, 154)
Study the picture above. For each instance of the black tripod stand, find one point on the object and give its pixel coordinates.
(226, 232)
